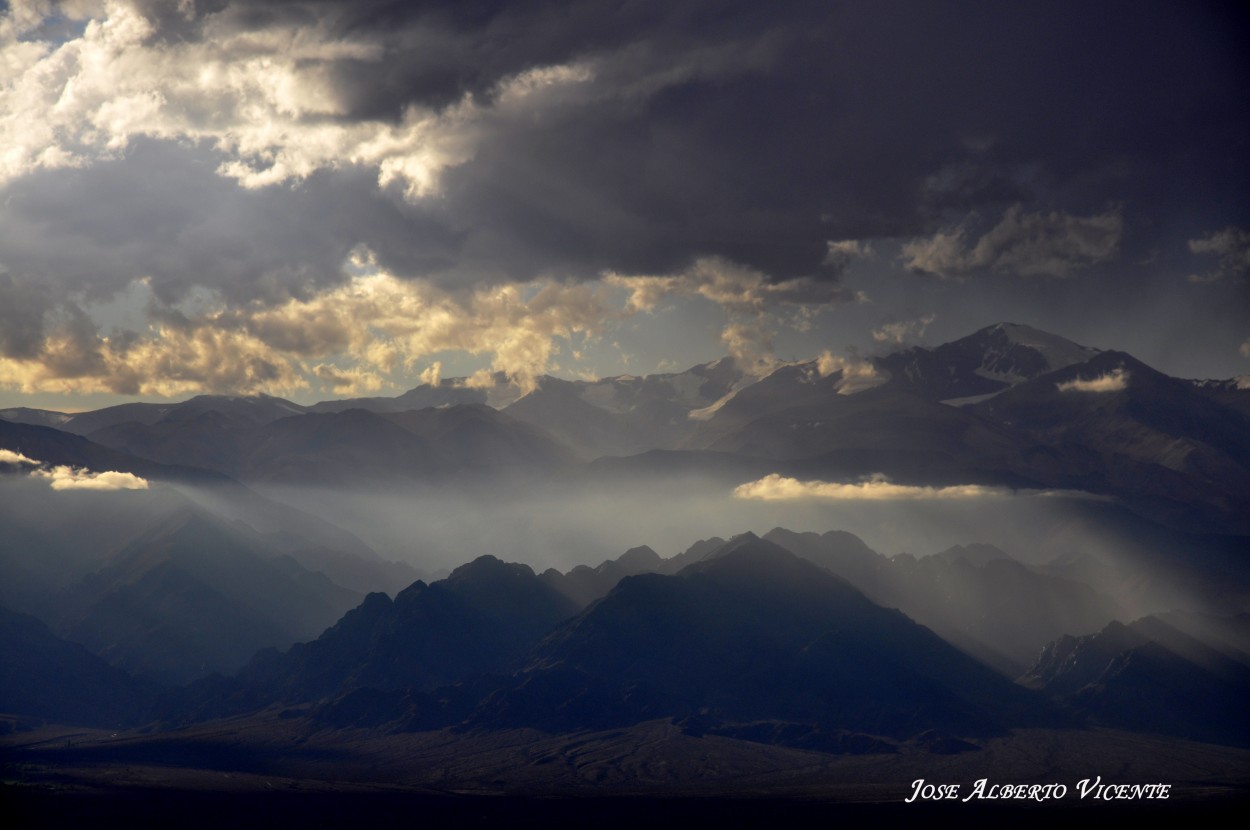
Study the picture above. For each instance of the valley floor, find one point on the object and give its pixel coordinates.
(266, 770)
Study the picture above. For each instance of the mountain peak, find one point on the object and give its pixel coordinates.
(984, 363)
(1057, 352)
(487, 566)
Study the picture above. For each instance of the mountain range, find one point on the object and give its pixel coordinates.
(1007, 405)
(168, 568)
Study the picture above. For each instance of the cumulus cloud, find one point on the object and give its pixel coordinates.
(899, 332)
(755, 304)
(73, 478)
(1232, 246)
(1245, 348)
(346, 338)
(857, 375)
(1055, 244)
(243, 148)
(62, 477)
(1114, 381)
(16, 458)
(730, 285)
(776, 487)
(267, 98)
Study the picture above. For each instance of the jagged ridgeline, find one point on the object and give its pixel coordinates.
(420, 570)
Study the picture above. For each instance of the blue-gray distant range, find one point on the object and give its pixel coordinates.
(1008, 553)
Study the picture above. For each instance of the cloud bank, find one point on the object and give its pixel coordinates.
(776, 487)
(877, 487)
(228, 157)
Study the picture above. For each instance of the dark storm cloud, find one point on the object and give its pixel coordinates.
(750, 154)
(23, 305)
(758, 132)
(753, 132)
(162, 213)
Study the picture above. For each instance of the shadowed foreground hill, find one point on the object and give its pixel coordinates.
(750, 641)
(1150, 677)
(47, 677)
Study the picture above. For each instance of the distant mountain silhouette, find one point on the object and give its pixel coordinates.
(480, 620)
(350, 447)
(193, 596)
(976, 597)
(749, 635)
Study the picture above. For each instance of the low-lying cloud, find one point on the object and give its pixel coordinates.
(11, 457)
(776, 487)
(1115, 381)
(64, 477)
(74, 478)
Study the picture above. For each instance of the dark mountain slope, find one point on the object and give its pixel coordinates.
(1150, 677)
(1154, 440)
(191, 596)
(755, 634)
(43, 676)
(481, 619)
(985, 362)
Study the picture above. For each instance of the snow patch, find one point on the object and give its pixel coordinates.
(1058, 352)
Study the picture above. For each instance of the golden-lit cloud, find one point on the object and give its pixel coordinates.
(266, 99)
(348, 339)
(878, 487)
(776, 487)
(857, 375)
(1114, 381)
(74, 478)
(62, 477)
(729, 285)
(13, 457)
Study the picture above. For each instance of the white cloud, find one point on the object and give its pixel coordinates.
(265, 99)
(1114, 381)
(776, 487)
(12, 457)
(1232, 246)
(1055, 244)
(63, 477)
(72, 478)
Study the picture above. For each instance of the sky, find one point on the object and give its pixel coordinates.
(328, 199)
